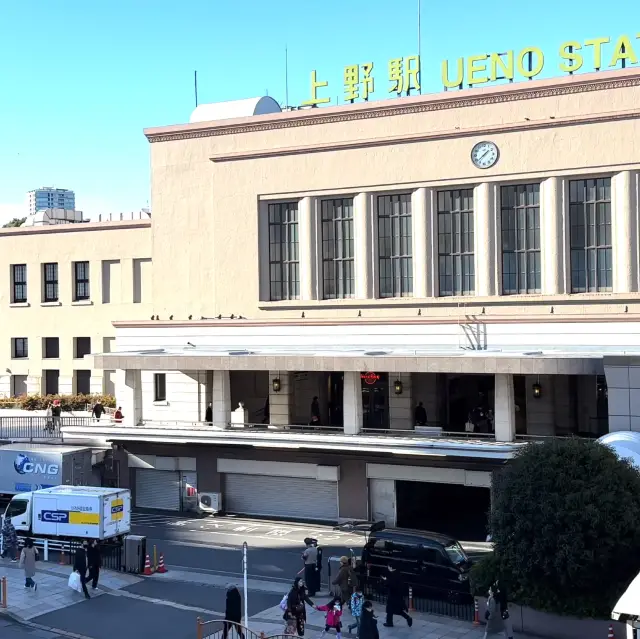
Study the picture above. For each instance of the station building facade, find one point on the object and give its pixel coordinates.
(317, 275)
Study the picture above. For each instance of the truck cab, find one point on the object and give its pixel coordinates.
(19, 512)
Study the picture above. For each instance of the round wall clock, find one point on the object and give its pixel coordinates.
(484, 155)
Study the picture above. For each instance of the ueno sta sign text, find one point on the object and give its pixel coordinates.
(405, 74)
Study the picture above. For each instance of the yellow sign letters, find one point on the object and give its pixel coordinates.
(404, 74)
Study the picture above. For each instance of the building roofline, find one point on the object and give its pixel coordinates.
(78, 227)
(467, 318)
(551, 87)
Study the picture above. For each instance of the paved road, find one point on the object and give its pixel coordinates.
(112, 616)
(9, 629)
(275, 548)
(206, 597)
(214, 544)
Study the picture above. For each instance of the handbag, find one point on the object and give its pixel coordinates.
(74, 582)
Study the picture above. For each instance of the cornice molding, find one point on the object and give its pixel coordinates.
(494, 129)
(381, 111)
(591, 318)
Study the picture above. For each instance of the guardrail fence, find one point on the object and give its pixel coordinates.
(445, 603)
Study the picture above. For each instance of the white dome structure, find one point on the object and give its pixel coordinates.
(625, 444)
(234, 109)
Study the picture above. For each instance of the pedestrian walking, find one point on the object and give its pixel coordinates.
(368, 623)
(98, 410)
(310, 559)
(9, 540)
(118, 416)
(344, 580)
(208, 414)
(315, 412)
(232, 613)
(28, 558)
(94, 561)
(395, 597)
(357, 600)
(48, 424)
(56, 413)
(296, 600)
(80, 566)
(420, 415)
(493, 617)
(503, 601)
(333, 619)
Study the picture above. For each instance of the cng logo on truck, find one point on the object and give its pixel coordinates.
(25, 466)
(117, 510)
(70, 517)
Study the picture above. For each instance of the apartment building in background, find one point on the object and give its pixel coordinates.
(317, 275)
(64, 286)
(48, 197)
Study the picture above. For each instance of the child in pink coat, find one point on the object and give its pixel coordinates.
(334, 617)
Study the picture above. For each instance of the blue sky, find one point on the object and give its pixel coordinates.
(81, 78)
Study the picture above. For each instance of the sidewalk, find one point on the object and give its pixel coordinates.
(53, 592)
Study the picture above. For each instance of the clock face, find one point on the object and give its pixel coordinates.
(484, 155)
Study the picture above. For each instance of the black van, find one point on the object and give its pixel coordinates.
(434, 565)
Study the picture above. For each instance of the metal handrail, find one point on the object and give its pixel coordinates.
(215, 629)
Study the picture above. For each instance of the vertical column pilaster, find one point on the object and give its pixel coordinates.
(352, 403)
(505, 408)
(221, 398)
(484, 228)
(552, 236)
(129, 395)
(307, 256)
(362, 223)
(421, 214)
(624, 232)
(280, 402)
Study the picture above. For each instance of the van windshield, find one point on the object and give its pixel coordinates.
(456, 554)
(16, 507)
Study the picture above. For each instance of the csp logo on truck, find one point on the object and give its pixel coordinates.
(26, 466)
(69, 517)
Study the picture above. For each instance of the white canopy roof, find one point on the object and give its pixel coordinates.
(626, 444)
(628, 607)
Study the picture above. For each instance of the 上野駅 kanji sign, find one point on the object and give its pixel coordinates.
(404, 75)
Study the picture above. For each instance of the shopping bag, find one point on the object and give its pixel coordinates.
(283, 603)
(74, 582)
(469, 427)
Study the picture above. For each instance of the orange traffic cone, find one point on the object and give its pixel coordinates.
(161, 567)
(476, 613)
(62, 561)
(147, 566)
(611, 633)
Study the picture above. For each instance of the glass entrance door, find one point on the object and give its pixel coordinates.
(375, 400)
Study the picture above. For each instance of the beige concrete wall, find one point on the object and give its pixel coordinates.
(117, 252)
(543, 129)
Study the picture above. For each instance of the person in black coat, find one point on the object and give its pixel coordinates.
(233, 613)
(94, 561)
(80, 566)
(395, 597)
(296, 600)
(368, 623)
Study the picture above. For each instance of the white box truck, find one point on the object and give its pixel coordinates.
(72, 512)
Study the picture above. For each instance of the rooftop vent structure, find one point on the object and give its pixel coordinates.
(234, 109)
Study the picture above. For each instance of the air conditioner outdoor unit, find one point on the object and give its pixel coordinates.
(209, 502)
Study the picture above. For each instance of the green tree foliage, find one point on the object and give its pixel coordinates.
(16, 221)
(566, 527)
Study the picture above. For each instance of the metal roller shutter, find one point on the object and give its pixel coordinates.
(296, 497)
(159, 489)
